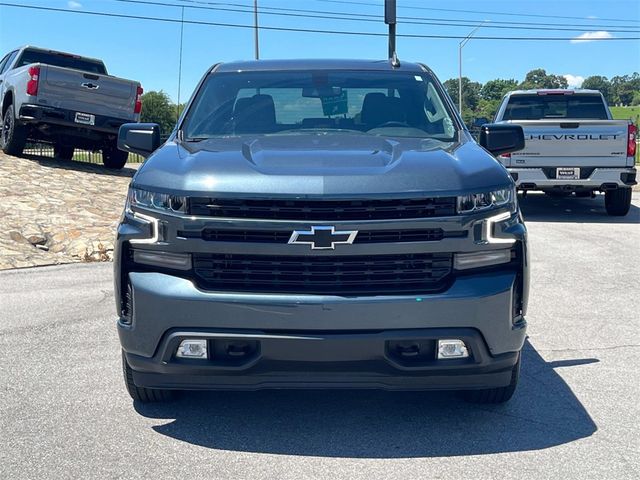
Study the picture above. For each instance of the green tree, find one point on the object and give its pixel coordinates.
(157, 108)
(598, 82)
(496, 89)
(470, 96)
(539, 78)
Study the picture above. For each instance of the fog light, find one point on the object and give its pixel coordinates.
(452, 348)
(192, 348)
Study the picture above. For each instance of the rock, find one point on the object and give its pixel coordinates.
(17, 237)
(38, 240)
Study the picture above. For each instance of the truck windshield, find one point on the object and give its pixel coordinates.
(61, 60)
(538, 107)
(395, 104)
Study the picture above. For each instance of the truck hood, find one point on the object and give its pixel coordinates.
(340, 164)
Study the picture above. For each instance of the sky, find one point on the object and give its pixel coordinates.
(149, 50)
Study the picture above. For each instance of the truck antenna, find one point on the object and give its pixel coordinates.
(390, 19)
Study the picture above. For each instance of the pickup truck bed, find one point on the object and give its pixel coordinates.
(572, 146)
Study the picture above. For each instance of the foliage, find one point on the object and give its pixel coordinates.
(157, 108)
(483, 101)
(539, 78)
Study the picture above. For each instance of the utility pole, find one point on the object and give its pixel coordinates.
(180, 64)
(255, 28)
(462, 44)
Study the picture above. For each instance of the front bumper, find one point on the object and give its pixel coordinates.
(322, 341)
(319, 360)
(598, 179)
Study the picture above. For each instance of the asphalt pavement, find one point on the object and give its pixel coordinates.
(64, 412)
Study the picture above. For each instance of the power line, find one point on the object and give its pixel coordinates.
(479, 12)
(378, 17)
(357, 17)
(291, 29)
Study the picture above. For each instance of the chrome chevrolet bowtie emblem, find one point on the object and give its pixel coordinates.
(322, 238)
(90, 86)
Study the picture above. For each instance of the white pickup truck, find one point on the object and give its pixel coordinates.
(66, 100)
(572, 146)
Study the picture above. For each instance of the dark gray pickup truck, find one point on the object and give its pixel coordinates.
(321, 224)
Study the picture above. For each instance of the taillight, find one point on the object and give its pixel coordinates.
(631, 141)
(32, 83)
(138, 106)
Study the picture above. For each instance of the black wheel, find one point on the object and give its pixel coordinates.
(496, 395)
(13, 136)
(114, 158)
(142, 394)
(618, 201)
(63, 152)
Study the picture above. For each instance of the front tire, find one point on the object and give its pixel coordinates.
(499, 394)
(13, 137)
(63, 152)
(114, 158)
(143, 394)
(618, 201)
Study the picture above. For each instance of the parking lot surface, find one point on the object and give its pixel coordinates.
(64, 412)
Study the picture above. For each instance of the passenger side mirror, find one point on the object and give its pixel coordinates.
(501, 138)
(140, 138)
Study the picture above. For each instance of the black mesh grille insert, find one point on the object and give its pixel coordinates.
(372, 236)
(339, 275)
(323, 209)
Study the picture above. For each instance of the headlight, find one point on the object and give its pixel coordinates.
(486, 200)
(162, 202)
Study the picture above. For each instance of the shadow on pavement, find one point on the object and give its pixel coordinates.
(538, 207)
(375, 424)
(81, 166)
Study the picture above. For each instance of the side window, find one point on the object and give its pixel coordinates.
(3, 61)
(8, 62)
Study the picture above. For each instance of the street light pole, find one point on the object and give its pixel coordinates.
(462, 43)
(255, 28)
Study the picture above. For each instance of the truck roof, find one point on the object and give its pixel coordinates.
(535, 91)
(318, 64)
(32, 47)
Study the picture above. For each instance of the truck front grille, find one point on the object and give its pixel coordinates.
(330, 275)
(323, 210)
(282, 236)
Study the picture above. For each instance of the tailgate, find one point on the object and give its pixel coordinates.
(572, 143)
(87, 92)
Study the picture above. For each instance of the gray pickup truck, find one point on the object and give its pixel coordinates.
(572, 146)
(321, 223)
(66, 100)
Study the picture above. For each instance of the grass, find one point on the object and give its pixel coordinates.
(626, 113)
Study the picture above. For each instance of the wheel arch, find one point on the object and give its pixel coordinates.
(7, 100)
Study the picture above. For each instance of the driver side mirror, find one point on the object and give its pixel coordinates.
(479, 122)
(501, 138)
(140, 138)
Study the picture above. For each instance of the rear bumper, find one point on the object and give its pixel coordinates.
(60, 117)
(599, 179)
(322, 341)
